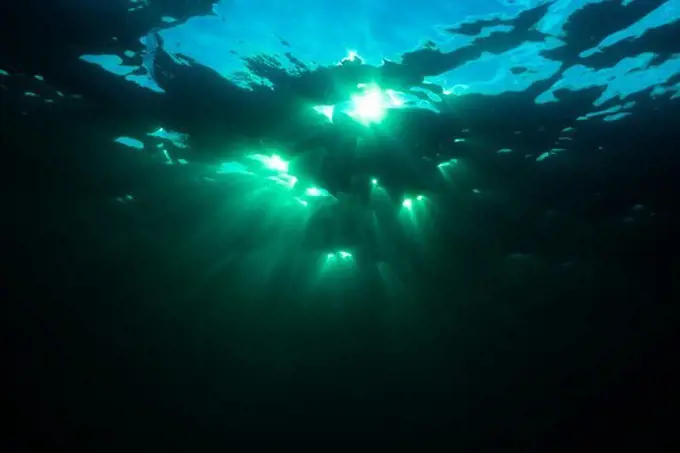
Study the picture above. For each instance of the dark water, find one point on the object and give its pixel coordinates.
(533, 311)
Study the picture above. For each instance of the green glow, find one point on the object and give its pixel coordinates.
(126, 198)
(337, 262)
(166, 157)
(352, 56)
(339, 255)
(265, 178)
(316, 192)
(448, 163)
(325, 110)
(369, 107)
(374, 182)
(394, 98)
(231, 167)
(273, 162)
(285, 180)
(276, 163)
(408, 202)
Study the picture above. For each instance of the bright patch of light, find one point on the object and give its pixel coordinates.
(265, 167)
(394, 98)
(338, 261)
(352, 56)
(325, 110)
(369, 107)
(408, 202)
(340, 254)
(374, 182)
(273, 162)
(458, 90)
(176, 138)
(448, 163)
(130, 142)
(166, 157)
(316, 192)
(285, 180)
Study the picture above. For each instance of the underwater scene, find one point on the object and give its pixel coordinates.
(343, 225)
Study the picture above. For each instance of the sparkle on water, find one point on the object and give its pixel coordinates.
(371, 106)
(268, 173)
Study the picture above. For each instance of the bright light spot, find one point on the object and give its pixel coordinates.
(276, 163)
(407, 203)
(325, 110)
(374, 182)
(315, 192)
(340, 260)
(448, 163)
(273, 162)
(420, 198)
(369, 107)
(338, 263)
(166, 157)
(352, 56)
(176, 138)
